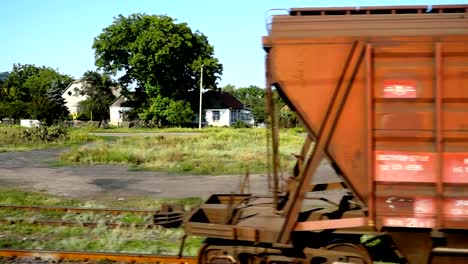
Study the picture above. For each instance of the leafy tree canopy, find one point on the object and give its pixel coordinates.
(158, 55)
(98, 89)
(28, 81)
(35, 92)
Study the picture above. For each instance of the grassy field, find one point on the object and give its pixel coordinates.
(18, 196)
(128, 240)
(157, 130)
(214, 152)
(26, 235)
(16, 138)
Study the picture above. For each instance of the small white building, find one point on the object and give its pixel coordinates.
(118, 111)
(223, 109)
(29, 122)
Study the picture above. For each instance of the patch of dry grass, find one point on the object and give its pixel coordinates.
(226, 151)
(12, 138)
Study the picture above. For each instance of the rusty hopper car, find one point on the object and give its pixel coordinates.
(383, 95)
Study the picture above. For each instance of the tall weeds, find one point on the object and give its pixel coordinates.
(226, 151)
(14, 138)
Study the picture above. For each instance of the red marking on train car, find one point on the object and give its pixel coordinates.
(456, 167)
(409, 222)
(399, 89)
(398, 166)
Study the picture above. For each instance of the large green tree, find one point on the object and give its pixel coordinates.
(156, 56)
(98, 90)
(29, 91)
(27, 81)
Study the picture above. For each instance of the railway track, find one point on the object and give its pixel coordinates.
(109, 225)
(76, 209)
(14, 256)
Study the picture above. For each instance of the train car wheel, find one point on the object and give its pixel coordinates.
(359, 253)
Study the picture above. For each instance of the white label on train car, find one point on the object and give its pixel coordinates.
(409, 222)
(403, 166)
(456, 207)
(455, 167)
(399, 89)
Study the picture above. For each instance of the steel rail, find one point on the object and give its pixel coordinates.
(75, 223)
(96, 256)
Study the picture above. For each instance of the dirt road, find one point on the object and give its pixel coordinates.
(36, 170)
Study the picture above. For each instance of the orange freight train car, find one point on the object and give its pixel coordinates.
(383, 92)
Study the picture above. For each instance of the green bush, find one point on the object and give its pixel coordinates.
(165, 111)
(9, 134)
(240, 124)
(288, 119)
(44, 133)
(178, 113)
(83, 116)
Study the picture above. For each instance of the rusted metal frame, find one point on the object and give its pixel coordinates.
(229, 209)
(372, 8)
(327, 186)
(305, 149)
(85, 256)
(317, 154)
(268, 164)
(268, 154)
(182, 246)
(373, 39)
(370, 133)
(446, 250)
(245, 183)
(336, 223)
(331, 117)
(276, 160)
(302, 157)
(340, 106)
(274, 138)
(439, 147)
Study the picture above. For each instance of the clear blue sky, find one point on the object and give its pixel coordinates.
(59, 33)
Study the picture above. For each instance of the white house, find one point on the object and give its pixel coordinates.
(223, 109)
(73, 96)
(117, 111)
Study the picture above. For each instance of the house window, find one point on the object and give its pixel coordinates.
(215, 115)
(246, 116)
